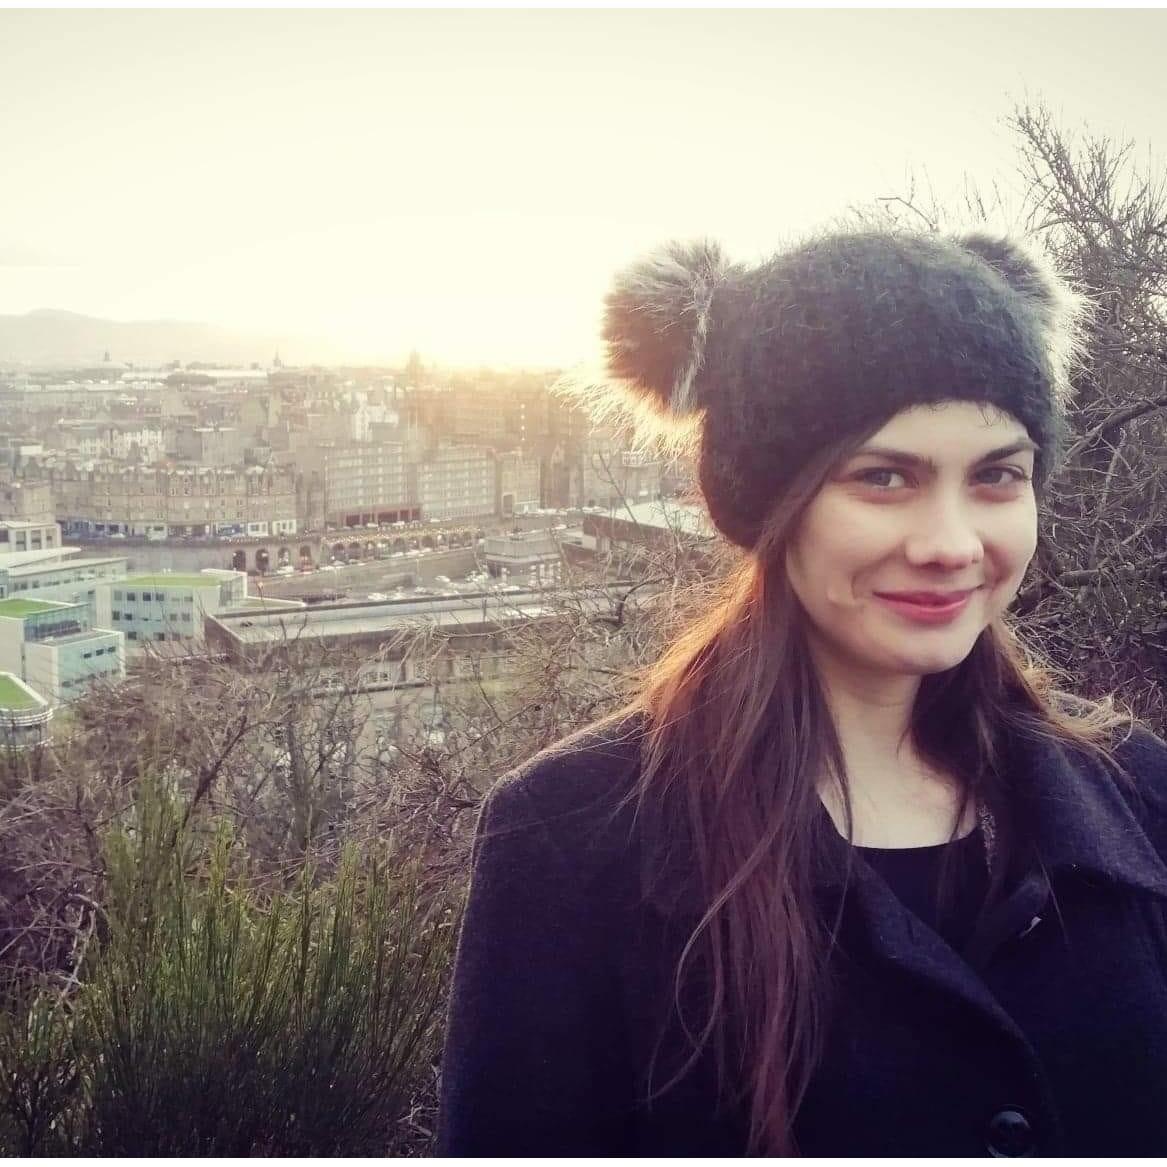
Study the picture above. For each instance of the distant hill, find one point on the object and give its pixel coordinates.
(50, 337)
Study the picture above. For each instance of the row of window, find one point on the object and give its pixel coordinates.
(153, 597)
(78, 682)
(112, 649)
(36, 585)
(116, 615)
(48, 630)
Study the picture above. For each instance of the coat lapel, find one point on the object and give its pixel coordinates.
(1080, 817)
(1075, 815)
(1078, 821)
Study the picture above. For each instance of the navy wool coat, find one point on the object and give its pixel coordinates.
(1046, 1035)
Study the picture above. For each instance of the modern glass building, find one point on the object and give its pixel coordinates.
(53, 646)
(56, 575)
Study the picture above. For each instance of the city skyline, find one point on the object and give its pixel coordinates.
(466, 183)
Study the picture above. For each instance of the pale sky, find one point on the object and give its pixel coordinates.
(466, 182)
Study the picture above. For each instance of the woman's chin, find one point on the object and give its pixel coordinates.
(906, 651)
(936, 660)
(925, 656)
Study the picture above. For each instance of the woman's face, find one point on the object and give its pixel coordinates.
(886, 524)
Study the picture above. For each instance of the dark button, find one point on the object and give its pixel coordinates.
(1010, 1136)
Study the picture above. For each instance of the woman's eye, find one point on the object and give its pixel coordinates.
(1014, 475)
(865, 476)
(1011, 473)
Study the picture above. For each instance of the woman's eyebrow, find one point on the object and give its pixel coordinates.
(903, 458)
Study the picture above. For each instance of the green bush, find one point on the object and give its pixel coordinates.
(212, 1020)
(39, 1079)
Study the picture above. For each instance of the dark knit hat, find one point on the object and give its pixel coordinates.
(834, 337)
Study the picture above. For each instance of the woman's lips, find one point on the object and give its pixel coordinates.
(928, 597)
(927, 613)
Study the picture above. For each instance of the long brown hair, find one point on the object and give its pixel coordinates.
(737, 730)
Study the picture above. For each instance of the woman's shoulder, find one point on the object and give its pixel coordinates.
(575, 793)
(1138, 788)
(1135, 747)
(1142, 754)
(589, 762)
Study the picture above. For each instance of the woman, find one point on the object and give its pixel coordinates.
(848, 875)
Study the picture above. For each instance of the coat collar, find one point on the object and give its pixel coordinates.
(1078, 820)
(1080, 815)
(1076, 813)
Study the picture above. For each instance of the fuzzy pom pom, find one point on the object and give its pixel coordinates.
(1023, 269)
(656, 320)
(1029, 273)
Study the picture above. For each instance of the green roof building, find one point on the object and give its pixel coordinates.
(24, 714)
(52, 646)
(168, 607)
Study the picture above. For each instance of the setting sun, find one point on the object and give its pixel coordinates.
(464, 183)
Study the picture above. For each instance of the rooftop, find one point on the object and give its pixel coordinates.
(388, 616)
(172, 579)
(97, 635)
(270, 603)
(61, 565)
(16, 695)
(18, 609)
(666, 514)
(12, 558)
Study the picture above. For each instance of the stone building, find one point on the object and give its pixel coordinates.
(518, 483)
(164, 502)
(456, 482)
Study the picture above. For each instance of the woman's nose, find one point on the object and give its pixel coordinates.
(945, 533)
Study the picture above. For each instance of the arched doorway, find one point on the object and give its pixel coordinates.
(339, 553)
(262, 560)
(306, 555)
(239, 560)
(283, 557)
(354, 551)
